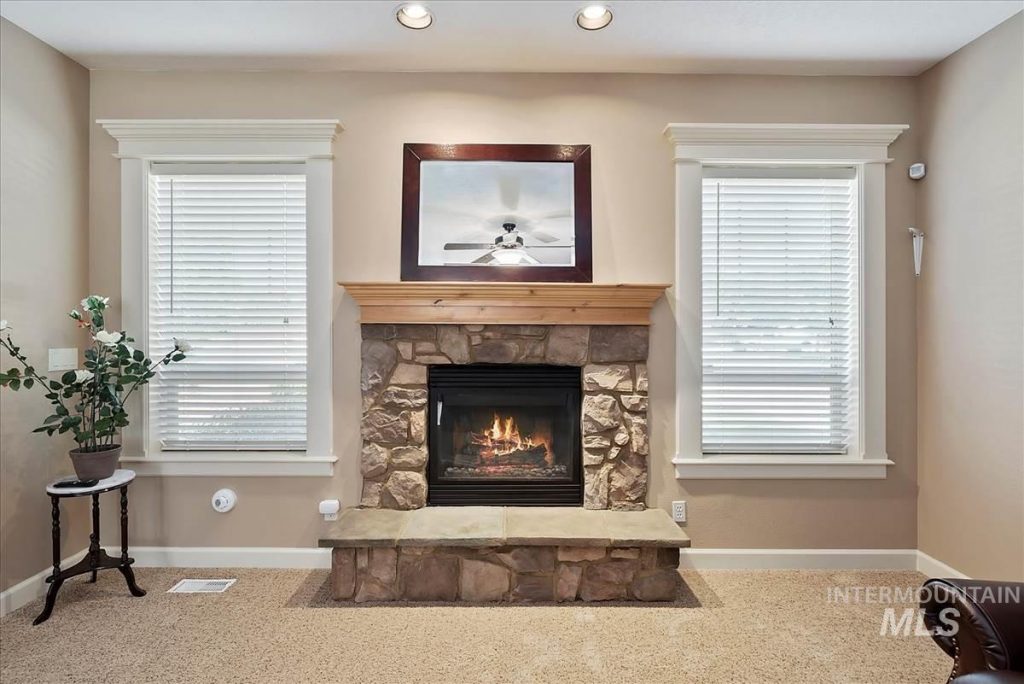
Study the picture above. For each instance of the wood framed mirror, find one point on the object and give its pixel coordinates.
(514, 213)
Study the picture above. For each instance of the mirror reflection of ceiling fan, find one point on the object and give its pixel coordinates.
(509, 248)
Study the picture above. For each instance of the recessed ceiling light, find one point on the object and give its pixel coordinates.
(414, 16)
(594, 17)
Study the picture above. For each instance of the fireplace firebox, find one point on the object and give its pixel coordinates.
(504, 435)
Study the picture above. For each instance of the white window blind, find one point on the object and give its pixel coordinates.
(779, 311)
(228, 274)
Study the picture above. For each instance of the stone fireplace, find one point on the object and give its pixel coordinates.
(505, 448)
(604, 454)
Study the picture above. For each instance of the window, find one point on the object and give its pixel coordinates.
(779, 300)
(779, 311)
(227, 272)
(226, 242)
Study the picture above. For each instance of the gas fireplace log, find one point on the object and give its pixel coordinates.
(535, 455)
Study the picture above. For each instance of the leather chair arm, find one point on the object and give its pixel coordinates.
(988, 618)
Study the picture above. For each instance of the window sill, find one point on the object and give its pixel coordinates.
(250, 464)
(780, 467)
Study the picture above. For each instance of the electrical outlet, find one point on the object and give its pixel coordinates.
(63, 359)
(329, 509)
(679, 511)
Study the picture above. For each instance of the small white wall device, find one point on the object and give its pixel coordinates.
(224, 500)
(62, 359)
(918, 237)
(329, 509)
(917, 171)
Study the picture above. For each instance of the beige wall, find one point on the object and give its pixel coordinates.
(44, 135)
(622, 116)
(970, 306)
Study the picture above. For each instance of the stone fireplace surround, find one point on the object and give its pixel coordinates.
(393, 381)
(394, 547)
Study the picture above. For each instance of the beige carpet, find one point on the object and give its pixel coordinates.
(278, 626)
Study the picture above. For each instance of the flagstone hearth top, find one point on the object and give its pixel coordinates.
(477, 526)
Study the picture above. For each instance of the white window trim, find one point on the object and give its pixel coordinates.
(305, 141)
(866, 148)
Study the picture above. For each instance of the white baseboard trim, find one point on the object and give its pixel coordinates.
(28, 590)
(816, 559)
(230, 557)
(936, 568)
(698, 559)
(798, 559)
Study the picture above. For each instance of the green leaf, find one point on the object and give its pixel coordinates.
(14, 373)
(68, 377)
(51, 419)
(178, 357)
(42, 429)
(29, 382)
(138, 355)
(54, 385)
(15, 384)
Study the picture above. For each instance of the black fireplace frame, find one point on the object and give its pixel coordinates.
(500, 491)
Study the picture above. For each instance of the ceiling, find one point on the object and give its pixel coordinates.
(867, 37)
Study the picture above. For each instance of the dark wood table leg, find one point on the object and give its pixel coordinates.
(94, 538)
(55, 579)
(126, 563)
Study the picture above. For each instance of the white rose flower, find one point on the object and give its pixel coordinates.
(182, 345)
(109, 339)
(83, 376)
(4, 325)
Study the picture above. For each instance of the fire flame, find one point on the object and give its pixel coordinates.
(503, 437)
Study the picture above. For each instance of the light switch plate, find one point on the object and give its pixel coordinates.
(63, 359)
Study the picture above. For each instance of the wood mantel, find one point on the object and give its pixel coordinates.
(495, 303)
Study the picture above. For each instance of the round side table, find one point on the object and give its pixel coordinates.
(96, 559)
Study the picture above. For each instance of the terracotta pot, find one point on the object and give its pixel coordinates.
(95, 465)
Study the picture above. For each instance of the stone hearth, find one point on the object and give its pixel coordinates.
(495, 554)
(612, 359)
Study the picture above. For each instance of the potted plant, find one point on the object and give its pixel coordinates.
(89, 402)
